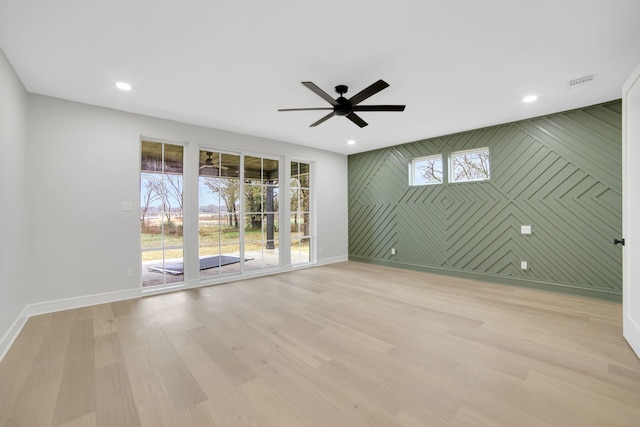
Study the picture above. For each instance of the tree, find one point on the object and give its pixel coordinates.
(254, 204)
(149, 196)
(293, 197)
(160, 189)
(431, 170)
(173, 185)
(305, 208)
(229, 191)
(471, 166)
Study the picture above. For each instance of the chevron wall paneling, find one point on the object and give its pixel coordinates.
(560, 174)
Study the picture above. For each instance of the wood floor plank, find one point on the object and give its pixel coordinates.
(107, 349)
(396, 386)
(35, 406)
(203, 415)
(49, 361)
(88, 420)
(272, 409)
(296, 380)
(578, 397)
(178, 382)
(226, 405)
(295, 347)
(77, 394)
(517, 402)
(236, 370)
(103, 322)
(120, 308)
(159, 412)
(18, 362)
(346, 344)
(114, 400)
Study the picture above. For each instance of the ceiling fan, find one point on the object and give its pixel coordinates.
(348, 107)
(210, 163)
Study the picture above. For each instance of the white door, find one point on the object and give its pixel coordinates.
(631, 209)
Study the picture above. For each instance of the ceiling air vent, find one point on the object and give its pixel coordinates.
(581, 81)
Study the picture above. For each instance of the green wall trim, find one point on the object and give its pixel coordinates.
(489, 278)
(561, 174)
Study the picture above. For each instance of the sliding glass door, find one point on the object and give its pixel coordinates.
(260, 207)
(238, 213)
(219, 217)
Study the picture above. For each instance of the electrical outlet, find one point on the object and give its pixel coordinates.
(524, 265)
(525, 229)
(393, 251)
(129, 272)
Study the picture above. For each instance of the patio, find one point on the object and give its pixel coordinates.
(255, 260)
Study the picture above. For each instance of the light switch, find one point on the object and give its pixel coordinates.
(525, 229)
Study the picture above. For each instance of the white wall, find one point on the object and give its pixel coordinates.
(13, 209)
(83, 163)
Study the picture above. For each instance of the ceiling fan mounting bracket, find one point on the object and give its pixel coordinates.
(342, 89)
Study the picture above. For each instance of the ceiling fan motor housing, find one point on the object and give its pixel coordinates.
(343, 108)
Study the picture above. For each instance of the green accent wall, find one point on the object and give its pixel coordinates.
(560, 173)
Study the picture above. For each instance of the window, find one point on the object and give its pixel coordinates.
(300, 213)
(426, 170)
(218, 213)
(464, 166)
(470, 165)
(161, 199)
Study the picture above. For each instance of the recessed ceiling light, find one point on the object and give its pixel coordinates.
(351, 142)
(123, 86)
(529, 98)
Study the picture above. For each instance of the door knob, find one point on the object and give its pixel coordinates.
(618, 242)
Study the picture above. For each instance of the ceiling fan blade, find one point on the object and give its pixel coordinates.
(213, 165)
(327, 117)
(304, 109)
(379, 108)
(356, 119)
(367, 92)
(322, 94)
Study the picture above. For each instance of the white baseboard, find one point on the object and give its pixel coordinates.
(333, 260)
(83, 301)
(10, 336)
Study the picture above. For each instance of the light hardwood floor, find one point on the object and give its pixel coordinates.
(348, 344)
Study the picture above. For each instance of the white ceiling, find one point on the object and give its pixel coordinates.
(230, 64)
